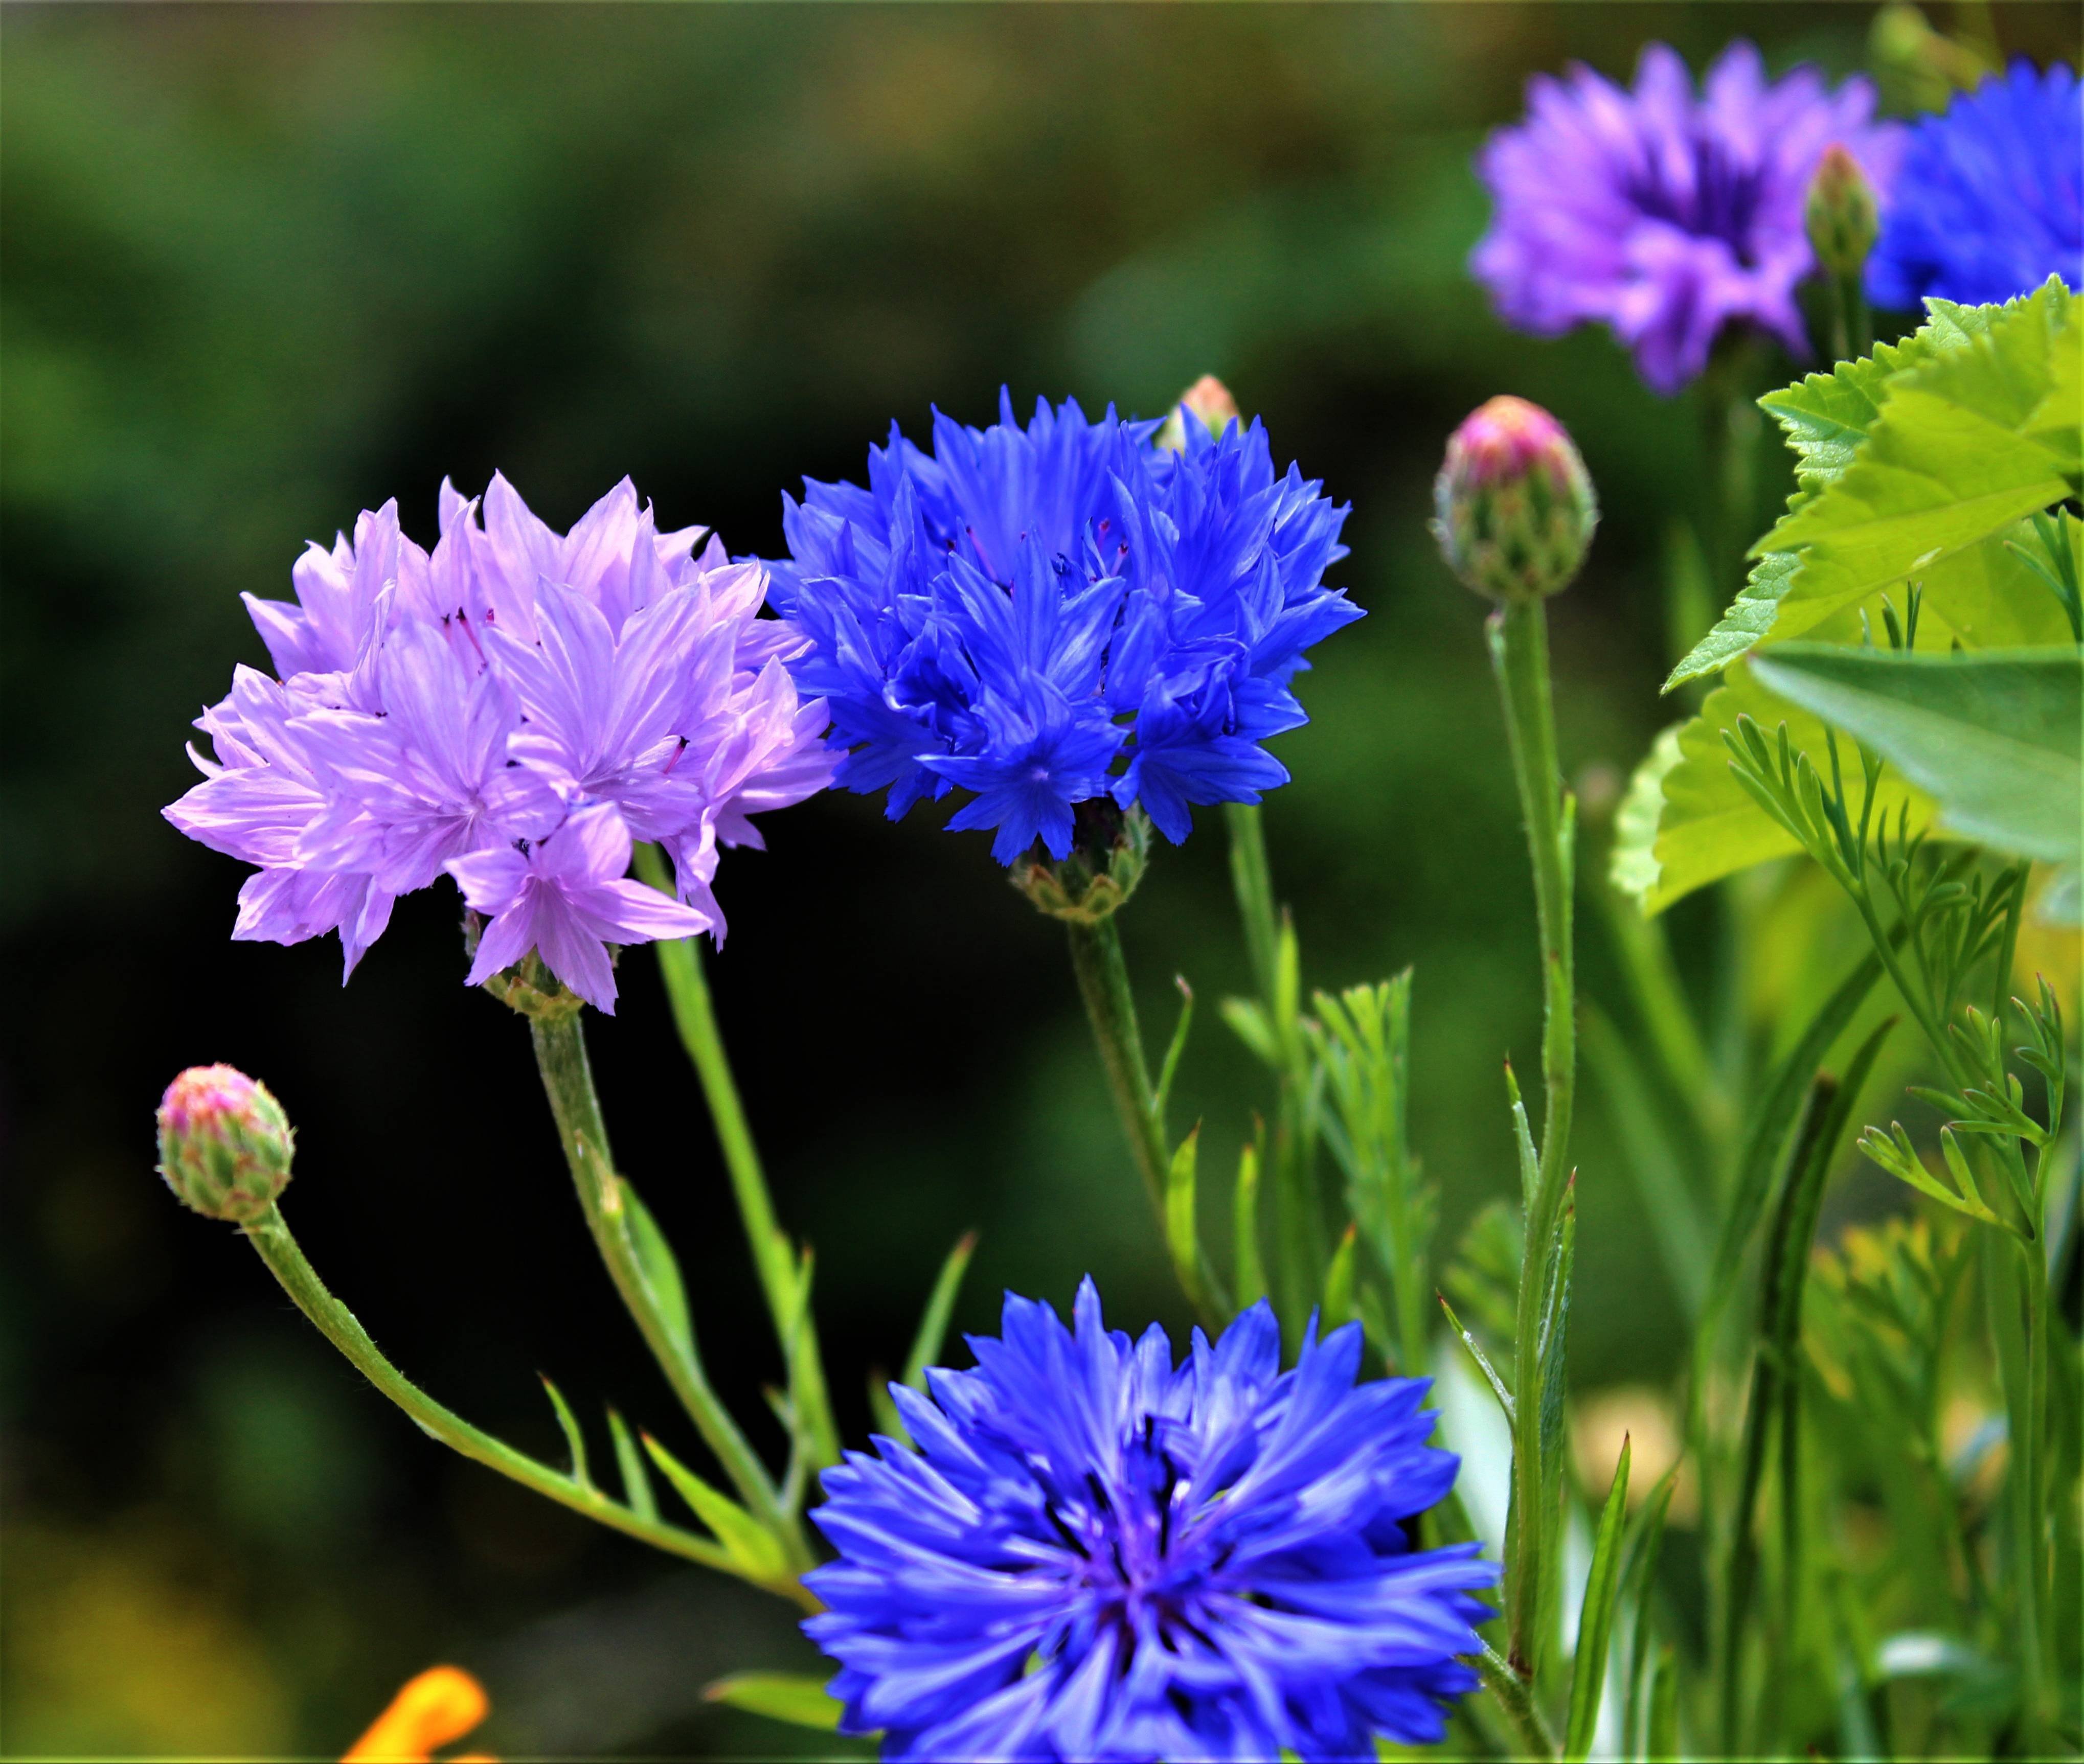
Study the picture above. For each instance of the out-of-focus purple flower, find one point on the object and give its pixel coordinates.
(475, 701)
(1665, 215)
(1990, 202)
(567, 896)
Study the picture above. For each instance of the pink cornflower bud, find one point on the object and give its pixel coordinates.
(1211, 401)
(225, 1144)
(1842, 217)
(1513, 507)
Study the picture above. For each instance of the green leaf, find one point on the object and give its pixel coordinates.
(630, 1461)
(1168, 1072)
(660, 1268)
(940, 1304)
(1339, 1282)
(1595, 1623)
(796, 1697)
(1491, 1374)
(748, 1543)
(1632, 866)
(1249, 1023)
(1907, 458)
(1181, 1236)
(1251, 1271)
(1993, 738)
(574, 1440)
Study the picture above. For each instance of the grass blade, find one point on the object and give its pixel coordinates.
(1595, 1623)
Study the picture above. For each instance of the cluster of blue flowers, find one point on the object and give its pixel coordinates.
(1096, 1555)
(1050, 615)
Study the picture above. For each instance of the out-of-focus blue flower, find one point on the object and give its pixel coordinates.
(1664, 216)
(1096, 1555)
(1059, 612)
(1990, 200)
(511, 707)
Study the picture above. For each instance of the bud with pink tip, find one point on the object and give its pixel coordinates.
(1513, 507)
(1841, 216)
(225, 1143)
(1211, 401)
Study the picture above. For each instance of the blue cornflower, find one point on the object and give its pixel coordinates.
(1097, 1555)
(1048, 615)
(1990, 201)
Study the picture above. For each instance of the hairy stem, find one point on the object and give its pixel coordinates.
(680, 963)
(1518, 634)
(271, 1236)
(1103, 977)
(560, 1057)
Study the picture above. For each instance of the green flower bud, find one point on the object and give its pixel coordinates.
(1513, 507)
(225, 1143)
(1108, 850)
(1842, 218)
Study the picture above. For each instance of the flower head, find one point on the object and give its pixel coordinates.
(1664, 215)
(512, 708)
(1005, 615)
(225, 1144)
(1095, 1554)
(1990, 201)
(1513, 506)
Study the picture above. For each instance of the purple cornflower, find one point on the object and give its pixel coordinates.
(1051, 614)
(512, 708)
(1664, 216)
(1096, 1555)
(1990, 200)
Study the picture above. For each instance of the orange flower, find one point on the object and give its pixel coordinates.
(443, 1703)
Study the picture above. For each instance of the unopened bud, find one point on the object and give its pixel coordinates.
(225, 1143)
(1513, 507)
(1841, 216)
(1210, 400)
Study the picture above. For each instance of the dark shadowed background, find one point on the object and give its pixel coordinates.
(266, 267)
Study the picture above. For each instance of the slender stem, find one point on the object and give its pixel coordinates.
(271, 1236)
(1103, 978)
(560, 1057)
(1252, 877)
(1515, 1697)
(1518, 634)
(680, 963)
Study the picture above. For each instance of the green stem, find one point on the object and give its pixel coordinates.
(680, 964)
(1518, 635)
(1515, 1697)
(560, 1057)
(271, 1236)
(1103, 977)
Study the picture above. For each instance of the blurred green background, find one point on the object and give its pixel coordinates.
(261, 268)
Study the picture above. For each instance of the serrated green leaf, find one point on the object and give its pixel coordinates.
(1595, 1621)
(1993, 738)
(796, 1697)
(748, 1543)
(1907, 458)
(1631, 867)
(629, 1463)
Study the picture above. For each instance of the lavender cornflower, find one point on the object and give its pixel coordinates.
(1096, 1555)
(512, 709)
(1052, 614)
(1663, 216)
(1990, 200)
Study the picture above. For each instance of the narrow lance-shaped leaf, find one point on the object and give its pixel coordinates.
(1250, 1269)
(797, 1698)
(940, 1305)
(1595, 1621)
(629, 1464)
(1339, 1282)
(750, 1544)
(574, 1440)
